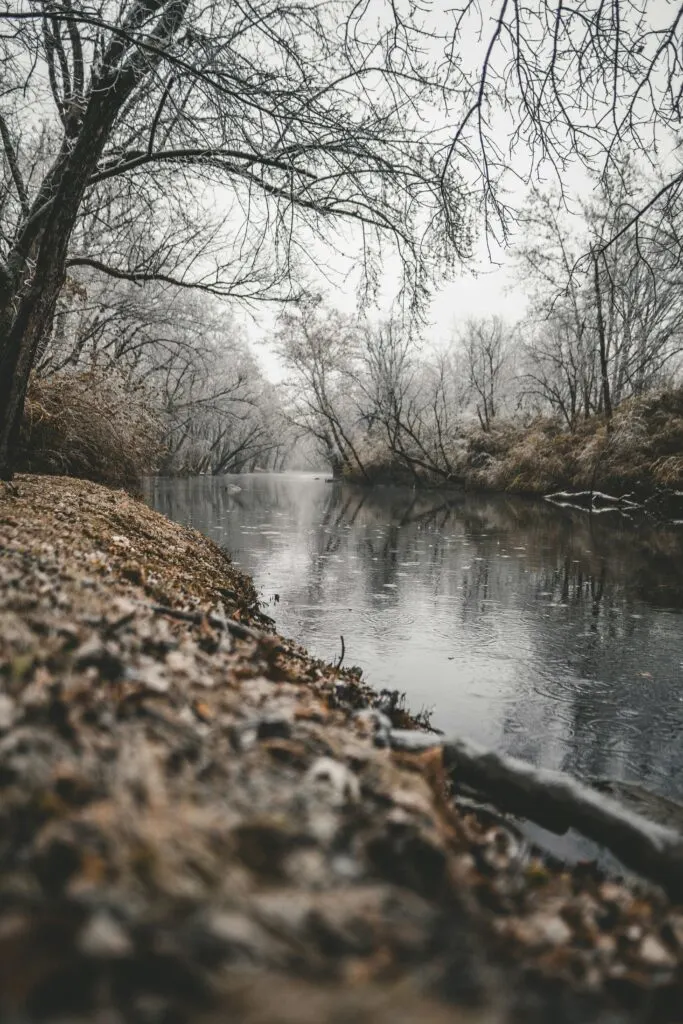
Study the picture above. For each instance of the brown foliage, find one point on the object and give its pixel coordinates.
(88, 425)
(643, 451)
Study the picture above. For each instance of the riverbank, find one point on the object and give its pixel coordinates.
(198, 822)
(640, 452)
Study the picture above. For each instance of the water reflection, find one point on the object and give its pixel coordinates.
(536, 630)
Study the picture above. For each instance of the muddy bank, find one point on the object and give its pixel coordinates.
(197, 822)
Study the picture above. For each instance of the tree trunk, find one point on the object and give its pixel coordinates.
(558, 802)
(30, 287)
(602, 341)
(35, 298)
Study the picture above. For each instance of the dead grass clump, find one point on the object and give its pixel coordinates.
(88, 425)
(642, 451)
(668, 471)
(512, 458)
(645, 447)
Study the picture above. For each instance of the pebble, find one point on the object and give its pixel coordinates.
(340, 781)
(654, 953)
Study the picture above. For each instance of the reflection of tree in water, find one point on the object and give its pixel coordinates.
(596, 690)
(616, 694)
(609, 580)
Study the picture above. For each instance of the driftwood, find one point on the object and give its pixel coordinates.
(664, 505)
(558, 801)
(595, 501)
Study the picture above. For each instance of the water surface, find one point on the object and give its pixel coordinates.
(538, 631)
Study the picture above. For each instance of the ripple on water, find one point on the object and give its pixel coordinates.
(566, 646)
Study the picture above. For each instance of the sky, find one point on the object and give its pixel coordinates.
(486, 285)
(481, 290)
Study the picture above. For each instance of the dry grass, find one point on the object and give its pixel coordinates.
(642, 452)
(512, 458)
(88, 425)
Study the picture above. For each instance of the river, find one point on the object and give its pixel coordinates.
(538, 631)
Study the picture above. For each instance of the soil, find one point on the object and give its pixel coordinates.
(199, 822)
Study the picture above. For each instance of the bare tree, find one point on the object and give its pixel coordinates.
(606, 325)
(169, 98)
(182, 355)
(485, 346)
(558, 370)
(319, 348)
(416, 403)
(579, 81)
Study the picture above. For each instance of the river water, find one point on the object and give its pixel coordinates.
(538, 631)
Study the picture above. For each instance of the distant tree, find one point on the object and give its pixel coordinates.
(558, 370)
(485, 348)
(319, 347)
(415, 401)
(179, 352)
(606, 319)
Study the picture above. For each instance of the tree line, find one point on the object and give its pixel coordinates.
(158, 149)
(603, 324)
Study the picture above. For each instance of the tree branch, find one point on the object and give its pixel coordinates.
(13, 163)
(558, 801)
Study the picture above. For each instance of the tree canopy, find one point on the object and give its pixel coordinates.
(208, 145)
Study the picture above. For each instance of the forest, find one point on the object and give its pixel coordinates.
(170, 169)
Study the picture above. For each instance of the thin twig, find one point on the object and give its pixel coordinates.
(338, 665)
(236, 629)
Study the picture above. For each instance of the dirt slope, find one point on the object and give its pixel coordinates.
(199, 822)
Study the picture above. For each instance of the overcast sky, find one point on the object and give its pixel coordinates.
(484, 287)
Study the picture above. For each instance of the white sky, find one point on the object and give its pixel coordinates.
(481, 289)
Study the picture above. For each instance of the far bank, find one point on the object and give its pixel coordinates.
(638, 451)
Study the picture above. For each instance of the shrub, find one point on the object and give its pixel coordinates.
(88, 424)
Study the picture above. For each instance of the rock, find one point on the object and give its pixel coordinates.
(334, 778)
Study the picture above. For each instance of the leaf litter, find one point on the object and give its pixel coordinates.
(200, 822)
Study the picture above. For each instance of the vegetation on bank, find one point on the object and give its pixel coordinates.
(639, 451)
(88, 425)
(85, 425)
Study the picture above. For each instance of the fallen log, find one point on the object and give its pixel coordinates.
(663, 505)
(559, 802)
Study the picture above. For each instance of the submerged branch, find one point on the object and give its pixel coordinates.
(559, 802)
